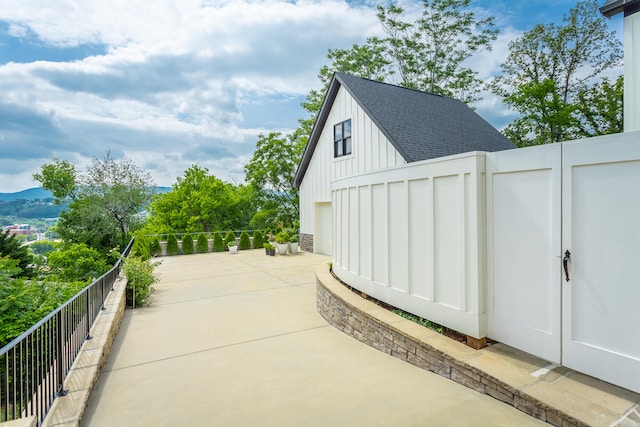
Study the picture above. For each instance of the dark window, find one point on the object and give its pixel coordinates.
(342, 139)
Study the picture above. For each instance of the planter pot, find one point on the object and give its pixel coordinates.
(282, 248)
(233, 249)
(272, 252)
(293, 247)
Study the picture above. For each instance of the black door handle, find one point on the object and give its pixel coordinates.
(565, 262)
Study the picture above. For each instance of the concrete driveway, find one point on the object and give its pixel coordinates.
(235, 340)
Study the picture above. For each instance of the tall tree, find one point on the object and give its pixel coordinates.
(270, 172)
(548, 67)
(12, 249)
(105, 200)
(198, 201)
(600, 108)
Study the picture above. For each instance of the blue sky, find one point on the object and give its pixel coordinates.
(171, 83)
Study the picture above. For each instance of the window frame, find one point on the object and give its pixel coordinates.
(342, 141)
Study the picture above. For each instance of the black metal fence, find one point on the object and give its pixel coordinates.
(34, 365)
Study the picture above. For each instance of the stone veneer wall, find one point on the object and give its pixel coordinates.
(361, 322)
(306, 242)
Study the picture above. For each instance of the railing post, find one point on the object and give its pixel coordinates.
(89, 314)
(59, 345)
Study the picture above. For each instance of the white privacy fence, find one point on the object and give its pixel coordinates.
(476, 242)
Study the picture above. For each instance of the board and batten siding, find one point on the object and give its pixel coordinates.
(414, 237)
(371, 151)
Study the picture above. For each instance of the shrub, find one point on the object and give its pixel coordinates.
(293, 238)
(258, 241)
(230, 237)
(141, 247)
(203, 244)
(172, 245)
(282, 237)
(140, 280)
(187, 244)
(155, 247)
(218, 243)
(245, 241)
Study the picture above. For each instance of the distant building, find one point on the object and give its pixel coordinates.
(17, 229)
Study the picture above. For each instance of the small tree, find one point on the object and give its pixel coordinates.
(141, 247)
(230, 237)
(154, 246)
(172, 245)
(245, 241)
(203, 244)
(187, 244)
(218, 242)
(258, 241)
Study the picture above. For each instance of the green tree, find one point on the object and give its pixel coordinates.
(218, 242)
(76, 262)
(258, 240)
(245, 241)
(172, 245)
(548, 67)
(105, 200)
(270, 172)
(197, 202)
(203, 244)
(229, 237)
(600, 108)
(10, 247)
(187, 244)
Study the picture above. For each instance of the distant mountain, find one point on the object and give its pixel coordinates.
(39, 193)
(29, 194)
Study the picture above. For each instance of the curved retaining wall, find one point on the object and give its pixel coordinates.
(426, 349)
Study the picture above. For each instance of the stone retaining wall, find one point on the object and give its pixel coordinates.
(306, 242)
(389, 333)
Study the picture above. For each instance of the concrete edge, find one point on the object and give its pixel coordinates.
(83, 375)
(403, 339)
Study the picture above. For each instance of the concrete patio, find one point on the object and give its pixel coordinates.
(235, 340)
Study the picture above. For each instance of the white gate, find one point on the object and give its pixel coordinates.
(580, 202)
(323, 229)
(523, 229)
(601, 231)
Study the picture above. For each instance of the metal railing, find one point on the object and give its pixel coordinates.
(33, 366)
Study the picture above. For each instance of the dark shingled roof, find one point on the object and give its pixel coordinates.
(420, 125)
(613, 7)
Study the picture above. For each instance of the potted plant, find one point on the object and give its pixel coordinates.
(233, 247)
(269, 249)
(282, 242)
(293, 244)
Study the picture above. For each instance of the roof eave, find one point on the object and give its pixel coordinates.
(612, 8)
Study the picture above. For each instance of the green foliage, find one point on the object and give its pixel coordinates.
(282, 237)
(187, 244)
(154, 246)
(549, 74)
(105, 200)
(601, 107)
(201, 202)
(141, 247)
(270, 173)
(245, 241)
(172, 245)
(76, 263)
(140, 280)
(230, 237)
(293, 238)
(218, 242)
(203, 244)
(419, 320)
(258, 241)
(42, 247)
(10, 247)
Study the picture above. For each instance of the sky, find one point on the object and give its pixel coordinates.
(173, 83)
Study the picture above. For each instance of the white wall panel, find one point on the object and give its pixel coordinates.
(398, 236)
(420, 238)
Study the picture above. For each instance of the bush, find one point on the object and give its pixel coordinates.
(245, 241)
(172, 245)
(140, 280)
(218, 243)
(141, 247)
(155, 247)
(187, 244)
(203, 244)
(258, 241)
(230, 237)
(43, 247)
(282, 237)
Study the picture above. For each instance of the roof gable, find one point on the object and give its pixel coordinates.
(419, 125)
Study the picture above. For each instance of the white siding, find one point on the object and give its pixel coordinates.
(413, 236)
(370, 151)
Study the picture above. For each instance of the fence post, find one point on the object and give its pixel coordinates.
(59, 345)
